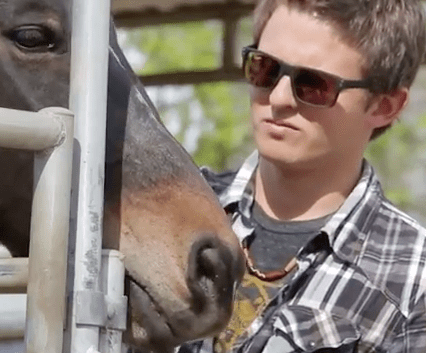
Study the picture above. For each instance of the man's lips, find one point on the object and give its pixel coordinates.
(280, 123)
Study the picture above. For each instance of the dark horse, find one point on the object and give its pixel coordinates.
(182, 259)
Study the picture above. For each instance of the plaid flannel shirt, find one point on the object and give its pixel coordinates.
(360, 284)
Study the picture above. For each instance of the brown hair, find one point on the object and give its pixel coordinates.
(390, 34)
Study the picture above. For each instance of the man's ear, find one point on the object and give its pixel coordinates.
(386, 108)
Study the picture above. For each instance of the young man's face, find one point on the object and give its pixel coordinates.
(293, 133)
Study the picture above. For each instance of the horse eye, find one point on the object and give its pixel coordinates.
(34, 38)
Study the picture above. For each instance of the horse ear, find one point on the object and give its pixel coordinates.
(387, 107)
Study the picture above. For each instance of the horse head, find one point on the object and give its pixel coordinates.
(182, 259)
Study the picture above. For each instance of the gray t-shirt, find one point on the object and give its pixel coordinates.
(275, 242)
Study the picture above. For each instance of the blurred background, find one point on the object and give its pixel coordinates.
(187, 53)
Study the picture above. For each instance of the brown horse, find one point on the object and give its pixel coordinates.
(182, 259)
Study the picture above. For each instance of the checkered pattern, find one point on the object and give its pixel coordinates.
(361, 282)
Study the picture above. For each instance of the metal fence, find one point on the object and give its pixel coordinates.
(81, 309)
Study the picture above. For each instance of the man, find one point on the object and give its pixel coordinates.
(344, 269)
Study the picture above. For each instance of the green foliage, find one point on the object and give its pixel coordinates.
(229, 112)
(395, 156)
(187, 46)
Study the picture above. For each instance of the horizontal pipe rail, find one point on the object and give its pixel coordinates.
(12, 316)
(29, 130)
(13, 273)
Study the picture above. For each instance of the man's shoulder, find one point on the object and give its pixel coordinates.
(380, 215)
(397, 221)
(393, 255)
(395, 231)
(218, 181)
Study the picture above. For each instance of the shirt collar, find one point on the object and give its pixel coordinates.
(346, 229)
(241, 190)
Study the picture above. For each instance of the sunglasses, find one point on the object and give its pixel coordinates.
(309, 86)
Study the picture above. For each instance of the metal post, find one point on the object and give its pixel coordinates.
(49, 242)
(113, 288)
(88, 97)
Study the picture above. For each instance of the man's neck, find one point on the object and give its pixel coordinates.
(288, 194)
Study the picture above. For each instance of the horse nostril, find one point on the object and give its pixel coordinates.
(210, 264)
(211, 273)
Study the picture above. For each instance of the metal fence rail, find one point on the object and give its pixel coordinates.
(84, 309)
(50, 134)
(88, 101)
(13, 276)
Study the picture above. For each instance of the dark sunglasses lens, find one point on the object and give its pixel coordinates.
(261, 70)
(313, 88)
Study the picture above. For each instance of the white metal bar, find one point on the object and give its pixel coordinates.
(113, 288)
(28, 130)
(12, 315)
(14, 346)
(49, 242)
(13, 273)
(88, 97)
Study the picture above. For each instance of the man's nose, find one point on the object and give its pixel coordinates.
(282, 94)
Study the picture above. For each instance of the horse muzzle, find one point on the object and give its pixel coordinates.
(213, 273)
